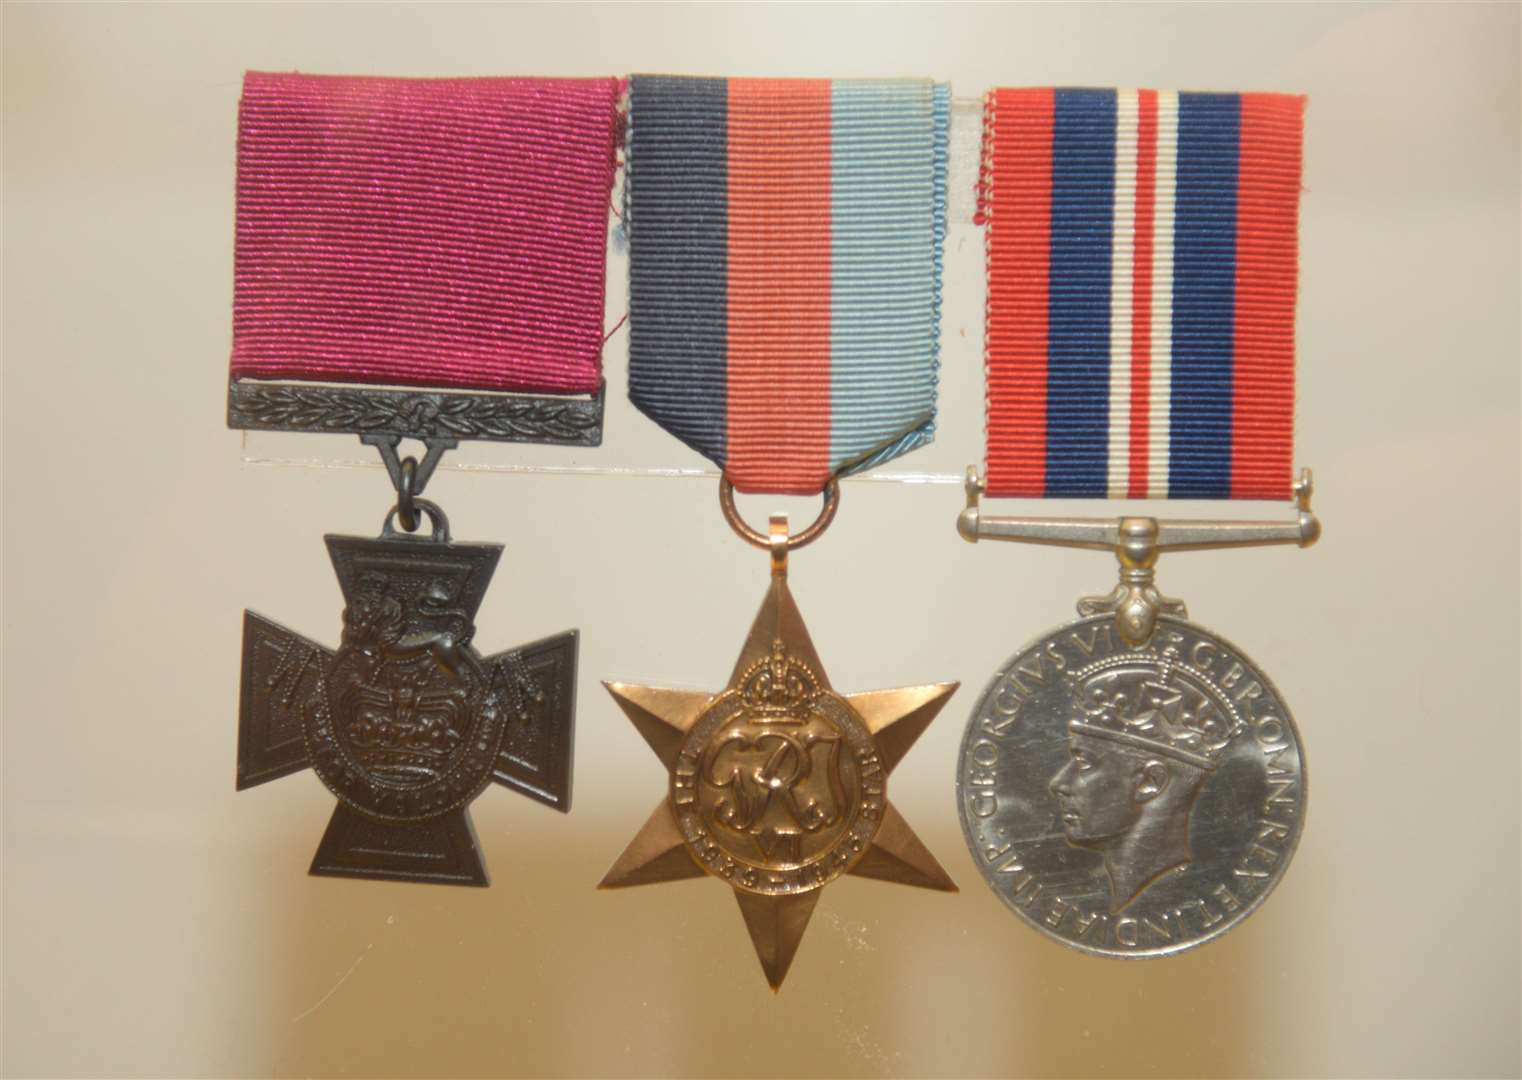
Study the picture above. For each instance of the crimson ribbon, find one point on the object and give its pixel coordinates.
(423, 232)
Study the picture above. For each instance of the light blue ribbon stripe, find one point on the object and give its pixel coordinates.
(888, 195)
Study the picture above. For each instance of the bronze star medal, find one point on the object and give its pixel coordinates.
(778, 783)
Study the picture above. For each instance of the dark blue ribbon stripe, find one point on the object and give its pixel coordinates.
(1204, 295)
(678, 253)
(1078, 373)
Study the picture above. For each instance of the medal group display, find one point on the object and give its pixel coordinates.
(424, 259)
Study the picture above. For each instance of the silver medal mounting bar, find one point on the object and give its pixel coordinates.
(562, 420)
(1137, 542)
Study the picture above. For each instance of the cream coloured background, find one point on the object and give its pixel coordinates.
(155, 923)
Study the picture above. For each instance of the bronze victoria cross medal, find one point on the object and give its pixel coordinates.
(779, 785)
(405, 722)
(416, 259)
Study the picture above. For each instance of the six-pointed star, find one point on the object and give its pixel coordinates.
(752, 769)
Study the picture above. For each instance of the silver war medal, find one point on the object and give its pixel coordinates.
(1132, 784)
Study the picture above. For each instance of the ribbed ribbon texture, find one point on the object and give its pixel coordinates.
(423, 232)
(1142, 260)
(785, 270)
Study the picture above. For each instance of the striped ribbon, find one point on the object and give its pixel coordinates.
(1141, 292)
(785, 270)
(423, 232)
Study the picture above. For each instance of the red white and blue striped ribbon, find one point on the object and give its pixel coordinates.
(1142, 258)
(785, 270)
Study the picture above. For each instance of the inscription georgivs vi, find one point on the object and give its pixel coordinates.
(1131, 802)
(405, 722)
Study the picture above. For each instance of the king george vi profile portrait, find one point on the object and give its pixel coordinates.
(1145, 736)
